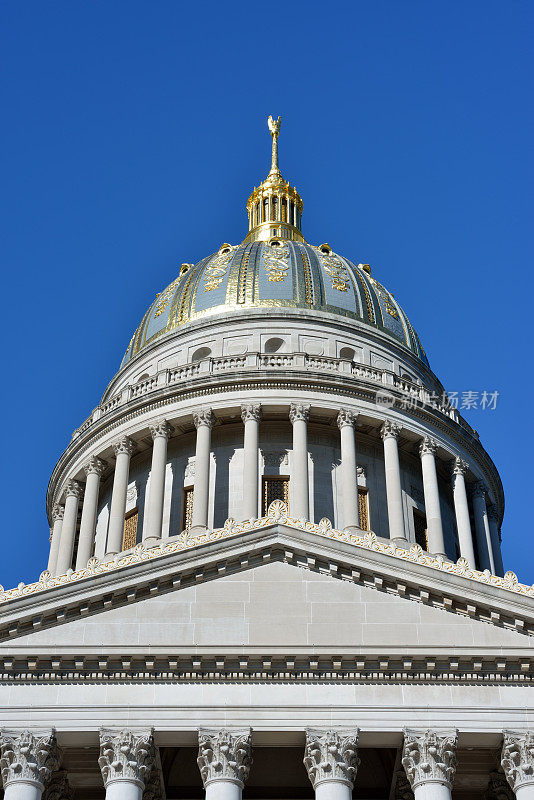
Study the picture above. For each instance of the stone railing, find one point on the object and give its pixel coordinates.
(412, 394)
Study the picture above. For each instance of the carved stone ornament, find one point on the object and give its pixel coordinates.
(299, 411)
(160, 428)
(331, 755)
(430, 757)
(427, 447)
(95, 466)
(29, 756)
(58, 787)
(498, 788)
(346, 417)
(251, 411)
(126, 755)
(518, 758)
(459, 466)
(274, 459)
(73, 489)
(58, 512)
(153, 790)
(224, 755)
(390, 428)
(203, 417)
(479, 489)
(123, 445)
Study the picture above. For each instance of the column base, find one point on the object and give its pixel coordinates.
(151, 541)
(353, 529)
(109, 557)
(196, 530)
(401, 542)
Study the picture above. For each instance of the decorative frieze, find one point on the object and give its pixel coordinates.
(518, 758)
(224, 755)
(331, 755)
(430, 756)
(126, 755)
(29, 756)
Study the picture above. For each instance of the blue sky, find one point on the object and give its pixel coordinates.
(133, 132)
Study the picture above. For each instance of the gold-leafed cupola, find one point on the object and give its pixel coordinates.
(275, 207)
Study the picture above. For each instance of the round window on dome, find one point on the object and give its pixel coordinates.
(274, 345)
(347, 353)
(325, 249)
(275, 242)
(202, 352)
(225, 248)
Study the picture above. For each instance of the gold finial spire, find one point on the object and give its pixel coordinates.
(274, 127)
(275, 208)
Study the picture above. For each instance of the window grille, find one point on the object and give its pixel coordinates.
(363, 508)
(129, 536)
(274, 488)
(187, 507)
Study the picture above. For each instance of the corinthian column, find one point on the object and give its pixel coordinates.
(57, 518)
(123, 449)
(251, 416)
(300, 494)
(126, 759)
(346, 421)
(93, 470)
(427, 449)
(161, 431)
(461, 509)
(203, 420)
(429, 760)
(58, 787)
(73, 492)
(493, 520)
(27, 759)
(224, 760)
(485, 556)
(518, 762)
(331, 759)
(390, 433)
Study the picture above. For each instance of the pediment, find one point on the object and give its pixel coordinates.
(277, 595)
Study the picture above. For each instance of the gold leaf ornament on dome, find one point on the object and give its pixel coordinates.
(165, 298)
(335, 268)
(390, 308)
(276, 262)
(217, 268)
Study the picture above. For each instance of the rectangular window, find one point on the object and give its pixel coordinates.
(363, 508)
(275, 487)
(187, 507)
(419, 524)
(129, 536)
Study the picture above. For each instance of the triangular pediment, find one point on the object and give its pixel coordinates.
(278, 594)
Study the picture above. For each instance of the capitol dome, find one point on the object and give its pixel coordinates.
(278, 273)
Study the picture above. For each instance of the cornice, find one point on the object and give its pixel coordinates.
(245, 380)
(186, 561)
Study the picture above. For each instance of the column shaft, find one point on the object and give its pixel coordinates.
(203, 422)
(432, 791)
(68, 530)
(223, 790)
(160, 431)
(123, 450)
(390, 432)
(485, 556)
(93, 470)
(124, 790)
(495, 540)
(251, 415)
(436, 544)
(461, 509)
(349, 474)
(300, 494)
(57, 516)
(333, 790)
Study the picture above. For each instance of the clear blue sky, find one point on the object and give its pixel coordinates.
(133, 132)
